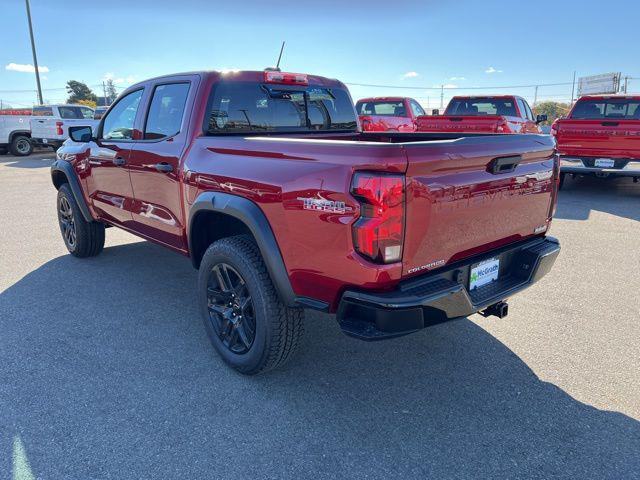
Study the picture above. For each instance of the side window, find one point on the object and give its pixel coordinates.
(118, 124)
(522, 108)
(416, 108)
(42, 112)
(166, 110)
(528, 109)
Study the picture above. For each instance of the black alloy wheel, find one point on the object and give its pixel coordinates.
(67, 222)
(231, 309)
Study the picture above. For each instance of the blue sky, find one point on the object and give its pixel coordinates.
(406, 43)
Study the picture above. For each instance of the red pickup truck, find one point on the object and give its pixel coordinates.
(490, 114)
(389, 114)
(601, 137)
(264, 180)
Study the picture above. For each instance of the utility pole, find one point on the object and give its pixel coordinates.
(573, 86)
(104, 92)
(535, 96)
(626, 83)
(441, 97)
(33, 50)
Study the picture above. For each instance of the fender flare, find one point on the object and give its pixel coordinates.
(252, 216)
(26, 133)
(72, 179)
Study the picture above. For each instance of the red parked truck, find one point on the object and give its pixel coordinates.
(264, 180)
(601, 137)
(489, 114)
(389, 114)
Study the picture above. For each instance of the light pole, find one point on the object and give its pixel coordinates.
(33, 50)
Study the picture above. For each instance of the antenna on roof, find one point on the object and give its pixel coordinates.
(277, 67)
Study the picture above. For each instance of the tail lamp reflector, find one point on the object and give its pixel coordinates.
(59, 128)
(379, 232)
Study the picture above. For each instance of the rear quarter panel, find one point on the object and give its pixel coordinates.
(278, 174)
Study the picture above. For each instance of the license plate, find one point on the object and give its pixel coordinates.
(483, 273)
(605, 162)
(44, 140)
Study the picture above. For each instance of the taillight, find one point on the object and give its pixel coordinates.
(286, 78)
(379, 232)
(554, 128)
(59, 128)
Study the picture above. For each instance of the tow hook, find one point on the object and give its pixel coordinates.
(500, 310)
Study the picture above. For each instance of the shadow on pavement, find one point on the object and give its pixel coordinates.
(107, 373)
(617, 196)
(39, 159)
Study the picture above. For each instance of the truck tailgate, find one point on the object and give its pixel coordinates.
(599, 138)
(471, 195)
(458, 123)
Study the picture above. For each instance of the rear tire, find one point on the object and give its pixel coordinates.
(247, 323)
(21, 146)
(82, 238)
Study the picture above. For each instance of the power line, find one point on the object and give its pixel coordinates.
(445, 87)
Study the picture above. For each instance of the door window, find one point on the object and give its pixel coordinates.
(528, 110)
(118, 123)
(416, 108)
(166, 110)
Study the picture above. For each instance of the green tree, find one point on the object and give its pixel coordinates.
(79, 91)
(552, 110)
(111, 90)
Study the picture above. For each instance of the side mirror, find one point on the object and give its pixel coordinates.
(81, 134)
(541, 118)
(435, 111)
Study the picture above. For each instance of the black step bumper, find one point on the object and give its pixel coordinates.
(443, 295)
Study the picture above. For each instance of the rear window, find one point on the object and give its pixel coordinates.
(75, 112)
(607, 108)
(388, 108)
(482, 106)
(246, 107)
(43, 111)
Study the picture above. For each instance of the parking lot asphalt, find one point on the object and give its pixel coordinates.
(106, 370)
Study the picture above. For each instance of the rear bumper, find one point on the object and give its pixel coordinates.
(444, 295)
(624, 167)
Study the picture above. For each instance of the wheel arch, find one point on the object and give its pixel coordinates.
(216, 215)
(15, 133)
(62, 172)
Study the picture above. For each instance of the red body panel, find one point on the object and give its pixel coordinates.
(610, 137)
(479, 123)
(454, 206)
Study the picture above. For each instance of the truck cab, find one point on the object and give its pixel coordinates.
(484, 114)
(50, 123)
(388, 114)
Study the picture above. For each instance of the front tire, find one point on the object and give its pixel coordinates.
(82, 238)
(21, 146)
(247, 323)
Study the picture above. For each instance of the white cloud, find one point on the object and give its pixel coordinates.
(492, 70)
(26, 68)
(411, 75)
(453, 79)
(128, 80)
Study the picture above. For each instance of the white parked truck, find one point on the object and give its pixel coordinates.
(50, 123)
(15, 132)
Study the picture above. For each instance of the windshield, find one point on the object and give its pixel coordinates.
(75, 112)
(242, 107)
(380, 108)
(607, 108)
(481, 106)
